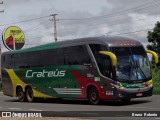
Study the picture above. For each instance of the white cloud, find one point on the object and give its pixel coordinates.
(19, 10)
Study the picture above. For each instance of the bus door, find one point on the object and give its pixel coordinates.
(105, 66)
(103, 61)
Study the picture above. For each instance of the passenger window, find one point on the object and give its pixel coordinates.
(51, 57)
(76, 55)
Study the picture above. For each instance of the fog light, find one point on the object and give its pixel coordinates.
(120, 95)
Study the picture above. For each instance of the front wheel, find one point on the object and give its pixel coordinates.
(29, 94)
(93, 96)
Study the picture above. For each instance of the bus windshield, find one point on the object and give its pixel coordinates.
(133, 64)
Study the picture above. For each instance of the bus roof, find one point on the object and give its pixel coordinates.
(109, 41)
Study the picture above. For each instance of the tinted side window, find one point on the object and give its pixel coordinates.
(105, 65)
(52, 57)
(97, 47)
(103, 61)
(5, 60)
(77, 55)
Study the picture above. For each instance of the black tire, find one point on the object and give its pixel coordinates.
(21, 95)
(29, 94)
(93, 96)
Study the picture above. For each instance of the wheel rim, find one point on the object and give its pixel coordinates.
(21, 95)
(93, 96)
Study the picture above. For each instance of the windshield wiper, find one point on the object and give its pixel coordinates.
(137, 65)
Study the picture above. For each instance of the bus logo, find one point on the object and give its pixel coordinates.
(44, 73)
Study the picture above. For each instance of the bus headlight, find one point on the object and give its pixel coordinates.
(120, 95)
(120, 85)
(148, 83)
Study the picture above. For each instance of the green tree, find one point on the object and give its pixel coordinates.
(154, 39)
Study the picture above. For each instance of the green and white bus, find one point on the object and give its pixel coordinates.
(95, 68)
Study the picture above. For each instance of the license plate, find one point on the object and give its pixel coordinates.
(139, 94)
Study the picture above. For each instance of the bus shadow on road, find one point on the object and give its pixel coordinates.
(85, 102)
(120, 103)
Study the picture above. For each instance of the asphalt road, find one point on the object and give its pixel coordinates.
(77, 108)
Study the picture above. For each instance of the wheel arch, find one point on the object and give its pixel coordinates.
(17, 88)
(28, 86)
(89, 87)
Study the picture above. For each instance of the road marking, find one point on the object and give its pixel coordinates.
(14, 108)
(35, 110)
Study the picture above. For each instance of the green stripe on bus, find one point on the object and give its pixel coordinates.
(37, 48)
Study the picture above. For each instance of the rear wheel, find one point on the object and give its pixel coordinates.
(21, 95)
(93, 96)
(29, 94)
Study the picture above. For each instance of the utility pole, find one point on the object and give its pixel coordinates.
(55, 29)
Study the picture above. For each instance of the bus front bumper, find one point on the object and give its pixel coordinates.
(128, 93)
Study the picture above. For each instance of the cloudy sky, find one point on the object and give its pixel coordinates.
(79, 18)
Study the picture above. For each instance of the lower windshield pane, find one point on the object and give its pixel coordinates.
(123, 68)
(133, 64)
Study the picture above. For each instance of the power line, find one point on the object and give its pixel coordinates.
(37, 27)
(104, 16)
(139, 7)
(51, 34)
(93, 26)
(109, 15)
(24, 21)
(104, 22)
(133, 32)
(88, 26)
(40, 36)
(63, 32)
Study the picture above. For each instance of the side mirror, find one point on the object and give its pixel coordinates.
(111, 55)
(154, 55)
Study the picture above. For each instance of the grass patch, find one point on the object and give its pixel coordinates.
(156, 81)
